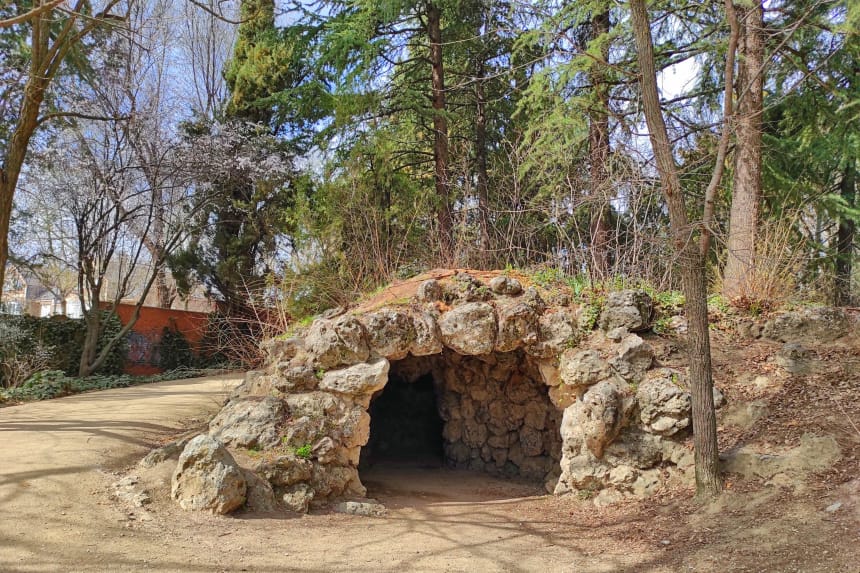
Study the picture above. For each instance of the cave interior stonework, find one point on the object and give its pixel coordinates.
(494, 414)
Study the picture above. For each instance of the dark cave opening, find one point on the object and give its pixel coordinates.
(405, 426)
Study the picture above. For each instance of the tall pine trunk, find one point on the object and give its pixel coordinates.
(690, 263)
(845, 239)
(739, 272)
(598, 146)
(444, 216)
(481, 161)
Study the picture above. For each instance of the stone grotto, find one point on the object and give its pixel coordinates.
(481, 375)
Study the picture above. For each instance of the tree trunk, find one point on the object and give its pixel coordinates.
(739, 272)
(481, 161)
(34, 93)
(91, 342)
(440, 136)
(690, 263)
(598, 149)
(164, 291)
(845, 239)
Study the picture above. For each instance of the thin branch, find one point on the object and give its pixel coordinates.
(79, 115)
(217, 15)
(722, 150)
(31, 14)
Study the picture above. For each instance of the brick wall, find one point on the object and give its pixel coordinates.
(146, 334)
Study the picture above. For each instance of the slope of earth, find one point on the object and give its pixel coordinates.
(59, 511)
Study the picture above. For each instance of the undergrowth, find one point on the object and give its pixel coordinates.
(55, 383)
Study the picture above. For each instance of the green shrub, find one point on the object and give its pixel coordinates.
(63, 336)
(174, 351)
(20, 355)
(115, 363)
(55, 383)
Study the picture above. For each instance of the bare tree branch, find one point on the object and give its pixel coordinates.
(29, 15)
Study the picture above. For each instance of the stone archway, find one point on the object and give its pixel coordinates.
(522, 390)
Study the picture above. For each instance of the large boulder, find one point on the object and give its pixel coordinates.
(581, 472)
(583, 368)
(469, 329)
(810, 325)
(664, 408)
(390, 332)
(361, 379)
(595, 420)
(259, 495)
(518, 324)
(463, 287)
(282, 349)
(507, 286)
(558, 329)
(250, 422)
(795, 358)
(338, 342)
(428, 339)
(207, 478)
(634, 358)
(429, 291)
(331, 481)
(285, 470)
(294, 378)
(314, 404)
(630, 309)
(298, 498)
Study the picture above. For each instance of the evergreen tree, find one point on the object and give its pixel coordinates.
(248, 207)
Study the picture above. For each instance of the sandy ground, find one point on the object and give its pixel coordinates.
(61, 457)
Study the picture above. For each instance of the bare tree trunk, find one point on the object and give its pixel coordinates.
(440, 136)
(481, 161)
(91, 343)
(725, 135)
(165, 293)
(690, 263)
(598, 146)
(845, 239)
(93, 320)
(34, 93)
(746, 189)
(48, 49)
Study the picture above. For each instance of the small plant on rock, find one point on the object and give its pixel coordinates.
(591, 313)
(662, 325)
(304, 452)
(587, 492)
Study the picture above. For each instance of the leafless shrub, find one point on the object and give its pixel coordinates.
(780, 258)
(20, 357)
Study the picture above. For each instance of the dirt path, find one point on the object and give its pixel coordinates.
(59, 459)
(57, 456)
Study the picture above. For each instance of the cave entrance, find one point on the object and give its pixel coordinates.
(489, 414)
(405, 425)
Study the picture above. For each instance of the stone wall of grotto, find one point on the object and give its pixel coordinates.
(524, 390)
